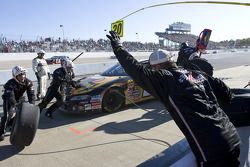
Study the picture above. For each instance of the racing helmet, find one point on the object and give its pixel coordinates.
(18, 70)
(67, 64)
(184, 45)
(41, 52)
(160, 56)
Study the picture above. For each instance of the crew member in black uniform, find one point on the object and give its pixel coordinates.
(13, 93)
(61, 77)
(186, 53)
(190, 57)
(190, 98)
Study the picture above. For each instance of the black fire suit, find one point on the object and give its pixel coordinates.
(195, 62)
(190, 98)
(60, 79)
(13, 93)
(184, 54)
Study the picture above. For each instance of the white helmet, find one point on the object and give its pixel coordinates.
(160, 56)
(67, 64)
(41, 51)
(17, 70)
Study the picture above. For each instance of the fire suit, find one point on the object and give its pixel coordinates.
(41, 69)
(188, 58)
(56, 89)
(190, 98)
(13, 93)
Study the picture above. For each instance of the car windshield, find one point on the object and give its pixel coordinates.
(115, 70)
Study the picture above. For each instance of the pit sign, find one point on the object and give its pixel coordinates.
(118, 27)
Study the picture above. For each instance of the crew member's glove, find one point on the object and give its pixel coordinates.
(115, 40)
(75, 84)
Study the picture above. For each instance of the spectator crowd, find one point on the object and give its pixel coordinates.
(58, 45)
(75, 45)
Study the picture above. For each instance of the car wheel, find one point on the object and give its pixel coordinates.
(25, 125)
(113, 100)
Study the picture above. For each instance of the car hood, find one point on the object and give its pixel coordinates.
(93, 82)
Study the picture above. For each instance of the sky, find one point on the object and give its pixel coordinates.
(85, 19)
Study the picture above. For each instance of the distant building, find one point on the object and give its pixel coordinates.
(176, 30)
(179, 28)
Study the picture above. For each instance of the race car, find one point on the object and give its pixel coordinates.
(56, 59)
(108, 91)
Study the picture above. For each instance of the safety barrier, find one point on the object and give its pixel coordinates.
(80, 69)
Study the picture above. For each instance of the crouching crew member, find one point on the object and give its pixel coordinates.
(61, 77)
(13, 93)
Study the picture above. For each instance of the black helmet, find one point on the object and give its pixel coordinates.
(184, 45)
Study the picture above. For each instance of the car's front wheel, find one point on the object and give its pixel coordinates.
(113, 100)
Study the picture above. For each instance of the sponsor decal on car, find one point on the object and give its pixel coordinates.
(82, 103)
(87, 106)
(96, 98)
(134, 91)
(96, 106)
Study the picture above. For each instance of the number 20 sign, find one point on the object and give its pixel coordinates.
(118, 27)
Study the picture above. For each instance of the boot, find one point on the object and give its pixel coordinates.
(41, 107)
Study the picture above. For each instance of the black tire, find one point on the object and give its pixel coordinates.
(25, 125)
(113, 100)
(238, 110)
(202, 65)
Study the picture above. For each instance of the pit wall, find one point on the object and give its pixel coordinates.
(80, 69)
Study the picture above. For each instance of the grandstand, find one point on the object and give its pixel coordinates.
(178, 33)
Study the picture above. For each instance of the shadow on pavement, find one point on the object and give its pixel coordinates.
(8, 151)
(156, 116)
(61, 119)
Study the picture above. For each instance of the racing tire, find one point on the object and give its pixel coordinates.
(203, 65)
(113, 100)
(25, 125)
(238, 110)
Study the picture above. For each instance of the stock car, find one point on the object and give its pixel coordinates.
(56, 59)
(108, 91)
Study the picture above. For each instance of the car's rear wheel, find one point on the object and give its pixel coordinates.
(113, 100)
